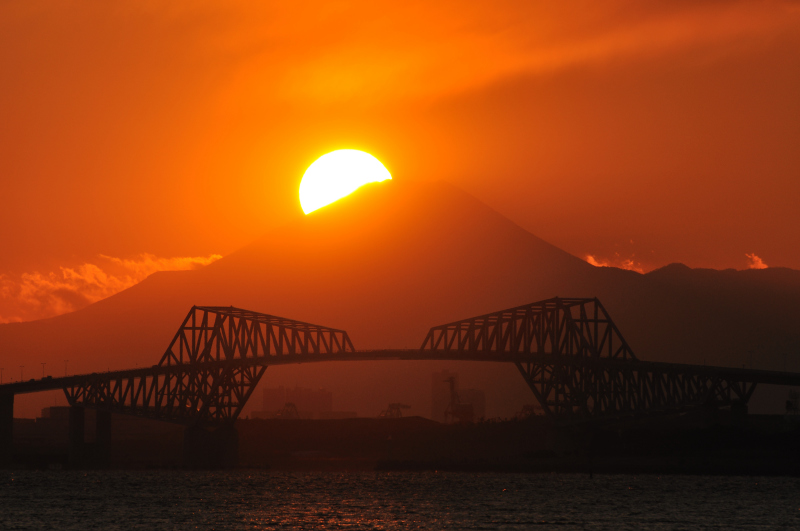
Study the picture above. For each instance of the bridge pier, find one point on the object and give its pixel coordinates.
(6, 429)
(77, 445)
(102, 454)
(211, 449)
(82, 454)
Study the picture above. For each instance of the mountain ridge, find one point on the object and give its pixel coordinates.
(392, 260)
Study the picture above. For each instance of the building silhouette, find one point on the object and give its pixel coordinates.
(308, 404)
(441, 397)
(440, 393)
(477, 399)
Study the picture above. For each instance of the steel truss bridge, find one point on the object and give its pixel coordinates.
(568, 350)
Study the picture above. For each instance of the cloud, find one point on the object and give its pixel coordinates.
(359, 51)
(421, 49)
(755, 261)
(621, 263)
(36, 295)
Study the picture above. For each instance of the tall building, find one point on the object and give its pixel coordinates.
(477, 399)
(440, 393)
(441, 397)
(273, 399)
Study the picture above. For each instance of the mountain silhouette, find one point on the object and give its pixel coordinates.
(393, 259)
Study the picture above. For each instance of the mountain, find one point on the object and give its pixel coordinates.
(393, 259)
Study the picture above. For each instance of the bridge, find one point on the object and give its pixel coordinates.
(568, 350)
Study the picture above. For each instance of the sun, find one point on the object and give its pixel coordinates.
(337, 174)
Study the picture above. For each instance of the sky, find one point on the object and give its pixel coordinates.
(140, 136)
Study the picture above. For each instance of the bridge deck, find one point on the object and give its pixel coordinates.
(740, 374)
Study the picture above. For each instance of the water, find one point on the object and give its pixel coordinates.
(273, 500)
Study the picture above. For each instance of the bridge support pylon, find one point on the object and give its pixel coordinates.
(203, 449)
(102, 454)
(82, 454)
(77, 445)
(6, 429)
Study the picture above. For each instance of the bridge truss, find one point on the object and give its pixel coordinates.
(578, 365)
(568, 350)
(210, 368)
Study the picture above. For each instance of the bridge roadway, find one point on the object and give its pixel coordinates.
(751, 376)
(568, 350)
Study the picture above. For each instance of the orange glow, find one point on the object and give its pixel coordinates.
(338, 174)
(621, 263)
(644, 133)
(755, 261)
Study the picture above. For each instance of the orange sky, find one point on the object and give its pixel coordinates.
(638, 133)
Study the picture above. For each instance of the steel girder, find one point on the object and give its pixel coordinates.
(578, 364)
(210, 368)
(569, 352)
(570, 388)
(571, 327)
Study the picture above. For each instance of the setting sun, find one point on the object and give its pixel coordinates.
(337, 174)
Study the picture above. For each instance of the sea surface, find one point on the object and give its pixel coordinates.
(381, 500)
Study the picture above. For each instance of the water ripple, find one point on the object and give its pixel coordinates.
(278, 500)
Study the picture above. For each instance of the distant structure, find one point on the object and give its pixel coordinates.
(451, 404)
(568, 350)
(306, 400)
(457, 412)
(475, 398)
(51, 428)
(299, 403)
(46, 441)
(289, 411)
(440, 393)
(308, 403)
(394, 411)
(529, 410)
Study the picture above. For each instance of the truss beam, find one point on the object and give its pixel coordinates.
(210, 368)
(572, 327)
(569, 351)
